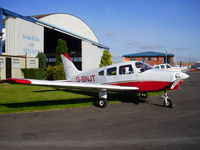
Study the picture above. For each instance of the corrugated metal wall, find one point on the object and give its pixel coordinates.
(23, 37)
(91, 56)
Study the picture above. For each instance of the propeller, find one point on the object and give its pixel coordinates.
(179, 76)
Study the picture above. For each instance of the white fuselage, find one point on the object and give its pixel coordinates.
(131, 73)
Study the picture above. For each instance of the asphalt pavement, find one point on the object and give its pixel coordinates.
(146, 125)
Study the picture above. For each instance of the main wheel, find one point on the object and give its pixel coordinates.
(168, 103)
(143, 95)
(102, 103)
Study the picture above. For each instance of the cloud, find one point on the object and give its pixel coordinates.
(181, 49)
(144, 45)
(110, 34)
(117, 34)
(132, 43)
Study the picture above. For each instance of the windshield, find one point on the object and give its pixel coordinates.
(142, 66)
(168, 66)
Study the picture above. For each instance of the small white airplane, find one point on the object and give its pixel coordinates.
(169, 67)
(125, 76)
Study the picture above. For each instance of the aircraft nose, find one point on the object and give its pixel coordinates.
(182, 75)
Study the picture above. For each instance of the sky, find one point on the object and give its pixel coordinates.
(130, 26)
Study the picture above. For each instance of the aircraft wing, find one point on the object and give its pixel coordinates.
(67, 84)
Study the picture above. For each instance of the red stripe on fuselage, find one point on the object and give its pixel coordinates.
(147, 86)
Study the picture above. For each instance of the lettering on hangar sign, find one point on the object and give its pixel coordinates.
(90, 78)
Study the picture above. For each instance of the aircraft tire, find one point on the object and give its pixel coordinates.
(102, 103)
(168, 103)
(143, 95)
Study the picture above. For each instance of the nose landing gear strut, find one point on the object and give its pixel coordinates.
(167, 101)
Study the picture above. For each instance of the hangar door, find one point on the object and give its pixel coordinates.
(74, 46)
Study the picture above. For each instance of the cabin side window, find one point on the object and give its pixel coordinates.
(126, 69)
(101, 73)
(162, 66)
(111, 71)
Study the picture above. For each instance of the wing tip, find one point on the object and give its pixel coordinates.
(17, 81)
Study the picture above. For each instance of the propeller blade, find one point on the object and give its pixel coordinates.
(176, 82)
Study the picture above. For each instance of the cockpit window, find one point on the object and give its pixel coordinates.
(168, 66)
(101, 73)
(143, 67)
(126, 69)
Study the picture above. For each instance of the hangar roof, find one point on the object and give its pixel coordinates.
(60, 24)
(69, 23)
(148, 54)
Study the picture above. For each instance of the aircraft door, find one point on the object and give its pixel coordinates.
(101, 77)
(112, 75)
(126, 73)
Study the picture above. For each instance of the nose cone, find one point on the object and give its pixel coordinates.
(182, 75)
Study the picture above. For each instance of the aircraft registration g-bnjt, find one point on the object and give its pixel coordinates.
(125, 76)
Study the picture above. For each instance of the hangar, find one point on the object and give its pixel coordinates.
(23, 37)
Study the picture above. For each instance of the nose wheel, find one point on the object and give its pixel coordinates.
(167, 101)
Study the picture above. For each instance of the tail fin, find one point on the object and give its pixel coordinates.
(69, 67)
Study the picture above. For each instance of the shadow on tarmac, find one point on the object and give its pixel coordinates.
(127, 97)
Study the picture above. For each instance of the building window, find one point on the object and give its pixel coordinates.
(77, 59)
(32, 63)
(51, 60)
(133, 59)
(16, 63)
(111, 71)
(149, 58)
(1, 63)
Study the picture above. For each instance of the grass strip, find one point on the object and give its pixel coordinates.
(25, 98)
